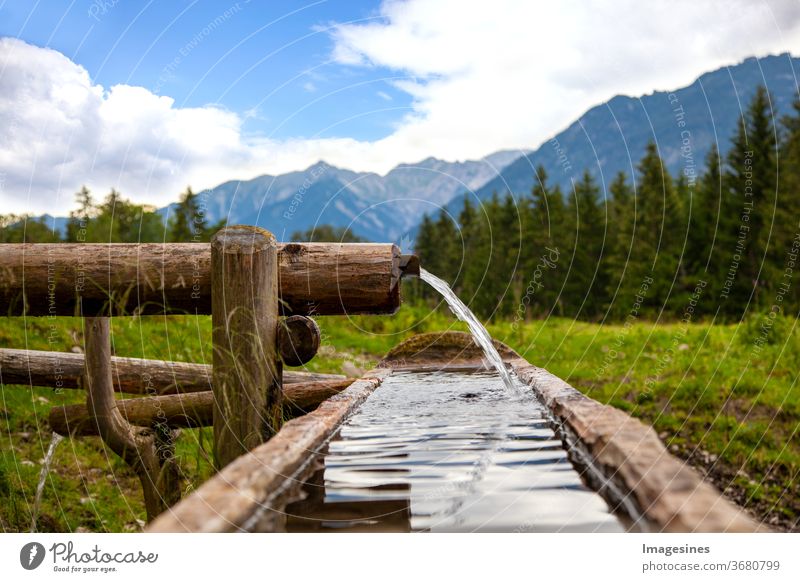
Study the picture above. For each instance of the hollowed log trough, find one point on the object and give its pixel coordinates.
(617, 455)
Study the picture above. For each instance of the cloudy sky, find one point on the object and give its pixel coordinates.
(150, 97)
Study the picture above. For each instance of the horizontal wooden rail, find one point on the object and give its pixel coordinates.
(131, 375)
(125, 279)
(185, 410)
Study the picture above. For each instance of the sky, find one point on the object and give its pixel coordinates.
(149, 97)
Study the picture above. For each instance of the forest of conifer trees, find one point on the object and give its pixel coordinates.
(715, 246)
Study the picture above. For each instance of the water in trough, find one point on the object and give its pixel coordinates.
(449, 451)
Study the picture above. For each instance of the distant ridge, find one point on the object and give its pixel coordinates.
(611, 137)
(605, 140)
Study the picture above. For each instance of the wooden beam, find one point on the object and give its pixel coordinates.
(248, 406)
(185, 410)
(130, 375)
(74, 278)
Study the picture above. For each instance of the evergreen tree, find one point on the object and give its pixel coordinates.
(425, 248)
(585, 289)
(751, 185)
(652, 267)
(187, 223)
(787, 212)
(546, 260)
(504, 267)
(620, 237)
(469, 280)
(78, 223)
(489, 289)
(449, 257)
(709, 238)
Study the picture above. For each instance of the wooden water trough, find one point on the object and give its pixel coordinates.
(618, 456)
(245, 280)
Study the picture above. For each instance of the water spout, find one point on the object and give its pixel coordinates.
(479, 333)
(48, 461)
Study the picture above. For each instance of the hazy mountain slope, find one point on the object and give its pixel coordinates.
(611, 137)
(373, 206)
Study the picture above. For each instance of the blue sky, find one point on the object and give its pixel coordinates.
(149, 97)
(259, 58)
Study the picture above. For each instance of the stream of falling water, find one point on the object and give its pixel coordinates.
(48, 461)
(479, 333)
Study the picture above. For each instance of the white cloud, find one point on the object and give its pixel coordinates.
(509, 74)
(487, 75)
(60, 131)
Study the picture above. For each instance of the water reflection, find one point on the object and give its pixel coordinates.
(448, 451)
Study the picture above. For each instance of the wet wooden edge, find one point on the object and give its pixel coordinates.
(249, 493)
(626, 462)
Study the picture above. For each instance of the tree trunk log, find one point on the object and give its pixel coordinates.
(130, 375)
(299, 339)
(150, 452)
(88, 279)
(185, 410)
(244, 315)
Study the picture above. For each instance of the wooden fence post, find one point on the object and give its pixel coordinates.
(244, 313)
(149, 451)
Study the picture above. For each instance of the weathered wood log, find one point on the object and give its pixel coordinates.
(248, 403)
(249, 493)
(131, 375)
(299, 339)
(150, 452)
(186, 410)
(75, 279)
(174, 410)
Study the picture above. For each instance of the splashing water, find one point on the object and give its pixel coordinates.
(48, 460)
(479, 333)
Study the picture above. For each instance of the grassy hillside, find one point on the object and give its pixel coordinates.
(713, 395)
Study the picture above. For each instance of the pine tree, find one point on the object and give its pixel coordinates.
(78, 223)
(709, 236)
(468, 282)
(585, 289)
(449, 255)
(620, 222)
(488, 288)
(505, 266)
(546, 258)
(751, 185)
(652, 268)
(187, 223)
(787, 213)
(425, 249)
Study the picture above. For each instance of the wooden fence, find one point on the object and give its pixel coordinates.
(246, 281)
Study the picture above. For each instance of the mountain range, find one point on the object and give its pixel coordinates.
(607, 139)
(611, 137)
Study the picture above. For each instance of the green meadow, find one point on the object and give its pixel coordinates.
(724, 397)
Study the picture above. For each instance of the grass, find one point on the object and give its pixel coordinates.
(712, 394)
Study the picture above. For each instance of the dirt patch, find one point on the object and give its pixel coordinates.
(725, 477)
